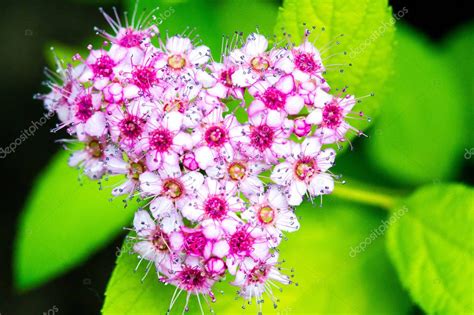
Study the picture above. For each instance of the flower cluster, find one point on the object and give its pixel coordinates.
(221, 150)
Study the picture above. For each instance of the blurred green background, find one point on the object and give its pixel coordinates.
(423, 135)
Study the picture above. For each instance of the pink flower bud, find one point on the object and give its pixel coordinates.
(301, 127)
(215, 266)
(189, 161)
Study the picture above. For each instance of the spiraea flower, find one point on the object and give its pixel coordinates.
(219, 173)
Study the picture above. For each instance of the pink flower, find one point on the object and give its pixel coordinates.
(266, 142)
(330, 114)
(241, 172)
(216, 138)
(253, 61)
(304, 170)
(153, 238)
(271, 212)
(276, 101)
(163, 141)
(215, 200)
(257, 277)
(170, 189)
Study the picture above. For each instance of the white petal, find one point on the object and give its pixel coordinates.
(178, 45)
(326, 159)
(161, 207)
(95, 125)
(143, 223)
(173, 121)
(255, 45)
(204, 157)
(310, 146)
(321, 184)
(315, 117)
(199, 55)
(294, 104)
(282, 173)
(150, 183)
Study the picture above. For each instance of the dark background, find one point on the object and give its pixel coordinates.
(26, 28)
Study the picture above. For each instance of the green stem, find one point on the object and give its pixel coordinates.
(365, 194)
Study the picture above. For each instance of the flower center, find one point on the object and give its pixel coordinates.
(215, 136)
(237, 171)
(192, 278)
(261, 137)
(258, 274)
(266, 215)
(94, 148)
(215, 207)
(305, 169)
(130, 39)
(84, 108)
(131, 127)
(259, 64)
(144, 77)
(161, 140)
(305, 62)
(194, 243)
(103, 67)
(175, 105)
(172, 188)
(176, 62)
(136, 169)
(160, 240)
(226, 77)
(332, 115)
(241, 243)
(273, 98)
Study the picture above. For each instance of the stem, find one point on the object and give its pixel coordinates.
(368, 195)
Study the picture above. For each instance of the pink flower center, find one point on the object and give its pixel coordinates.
(84, 108)
(273, 98)
(261, 137)
(259, 64)
(215, 207)
(175, 105)
(172, 188)
(144, 77)
(215, 136)
(131, 127)
(160, 240)
(103, 67)
(194, 243)
(130, 39)
(241, 243)
(332, 115)
(306, 63)
(192, 278)
(266, 215)
(95, 148)
(161, 140)
(237, 171)
(226, 77)
(176, 62)
(258, 274)
(305, 169)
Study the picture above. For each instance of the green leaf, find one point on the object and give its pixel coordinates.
(63, 223)
(331, 279)
(368, 29)
(418, 137)
(458, 50)
(432, 249)
(212, 19)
